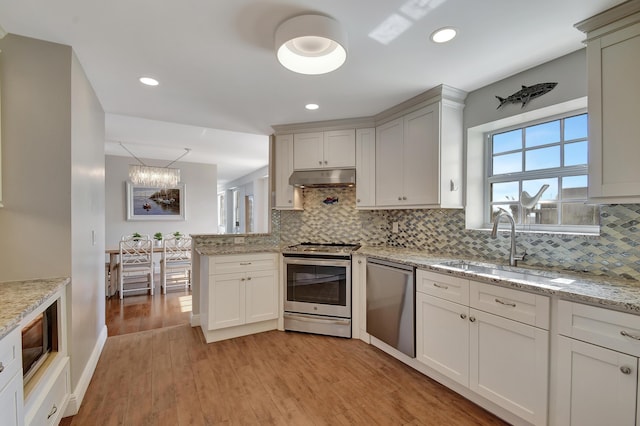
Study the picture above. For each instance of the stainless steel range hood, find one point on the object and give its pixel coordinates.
(323, 178)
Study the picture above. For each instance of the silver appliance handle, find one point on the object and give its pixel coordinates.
(323, 320)
(316, 261)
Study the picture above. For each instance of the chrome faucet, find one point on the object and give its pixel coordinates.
(513, 257)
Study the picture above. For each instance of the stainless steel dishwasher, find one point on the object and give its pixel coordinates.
(391, 304)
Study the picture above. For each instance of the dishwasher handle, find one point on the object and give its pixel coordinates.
(390, 264)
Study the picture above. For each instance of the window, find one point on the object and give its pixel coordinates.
(525, 159)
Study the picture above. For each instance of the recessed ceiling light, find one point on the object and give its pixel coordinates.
(312, 107)
(149, 81)
(443, 35)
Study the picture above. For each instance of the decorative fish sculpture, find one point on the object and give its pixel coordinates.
(527, 93)
(330, 200)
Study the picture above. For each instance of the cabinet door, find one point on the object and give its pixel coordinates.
(340, 148)
(509, 365)
(308, 151)
(287, 197)
(442, 336)
(226, 300)
(596, 386)
(11, 402)
(261, 296)
(421, 156)
(389, 163)
(365, 168)
(614, 89)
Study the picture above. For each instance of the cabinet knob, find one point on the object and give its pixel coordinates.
(404, 198)
(399, 198)
(241, 279)
(358, 200)
(472, 319)
(248, 278)
(625, 369)
(359, 262)
(320, 162)
(326, 162)
(1, 367)
(463, 316)
(289, 201)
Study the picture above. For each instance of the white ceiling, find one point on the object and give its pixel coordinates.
(221, 87)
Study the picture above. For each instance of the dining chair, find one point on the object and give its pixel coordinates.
(175, 264)
(136, 264)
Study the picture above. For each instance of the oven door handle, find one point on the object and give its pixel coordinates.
(316, 320)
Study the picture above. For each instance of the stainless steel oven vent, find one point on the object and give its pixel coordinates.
(323, 178)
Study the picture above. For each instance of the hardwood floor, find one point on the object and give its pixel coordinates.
(170, 376)
(143, 312)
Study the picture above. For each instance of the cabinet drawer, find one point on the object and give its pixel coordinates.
(615, 330)
(242, 263)
(10, 356)
(517, 305)
(53, 404)
(444, 286)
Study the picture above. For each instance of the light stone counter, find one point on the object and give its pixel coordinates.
(19, 298)
(221, 249)
(602, 291)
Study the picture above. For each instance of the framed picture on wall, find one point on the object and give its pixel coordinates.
(145, 203)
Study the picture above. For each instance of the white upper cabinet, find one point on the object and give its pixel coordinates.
(318, 150)
(613, 61)
(419, 155)
(365, 168)
(287, 197)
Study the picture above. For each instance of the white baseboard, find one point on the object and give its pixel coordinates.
(195, 320)
(78, 393)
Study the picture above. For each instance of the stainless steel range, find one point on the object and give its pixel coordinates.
(318, 291)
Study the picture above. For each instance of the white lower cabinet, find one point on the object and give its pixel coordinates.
(11, 405)
(597, 379)
(501, 359)
(242, 290)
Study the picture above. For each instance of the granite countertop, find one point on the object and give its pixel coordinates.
(19, 298)
(220, 249)
(621, 295)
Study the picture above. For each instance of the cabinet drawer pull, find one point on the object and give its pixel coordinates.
(463, 316)
(1, 367)
(625, 334)
(54, 409)
(625, 369)
(502, 302)
(245, 263)
(444, 287)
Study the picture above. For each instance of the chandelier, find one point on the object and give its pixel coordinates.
(154, 177)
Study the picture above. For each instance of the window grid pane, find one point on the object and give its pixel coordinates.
(526, 158)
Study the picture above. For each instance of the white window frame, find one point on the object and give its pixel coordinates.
(558, 172)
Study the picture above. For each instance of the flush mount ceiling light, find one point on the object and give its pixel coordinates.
(443, 35)
(149, 81)
(154, 177)
(312, 107)
(311, 44)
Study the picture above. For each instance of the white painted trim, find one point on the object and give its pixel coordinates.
(195, 320)
(75, 400)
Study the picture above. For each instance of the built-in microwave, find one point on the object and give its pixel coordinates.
(39, 339)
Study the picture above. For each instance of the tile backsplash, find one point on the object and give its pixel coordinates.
(615, 253)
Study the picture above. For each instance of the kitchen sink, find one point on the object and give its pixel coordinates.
(502, 272)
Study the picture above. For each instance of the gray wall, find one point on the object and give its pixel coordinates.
(53, 183)
(200, 198)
